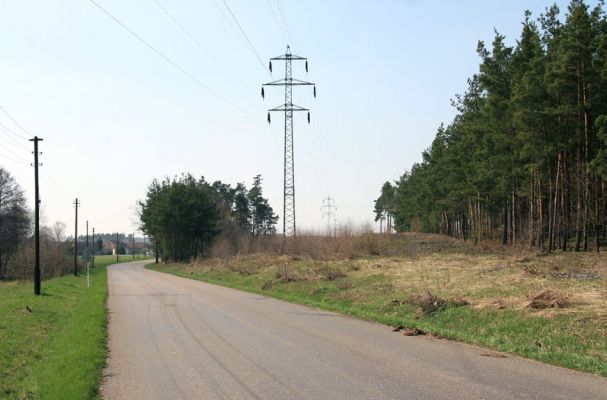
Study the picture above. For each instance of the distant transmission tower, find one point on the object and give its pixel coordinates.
(288, 107)
(328, 209)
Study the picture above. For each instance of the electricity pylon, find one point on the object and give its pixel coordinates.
(288, 108)
(328, 208)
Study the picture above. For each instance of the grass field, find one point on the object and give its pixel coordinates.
(551, 308)
(53, 346)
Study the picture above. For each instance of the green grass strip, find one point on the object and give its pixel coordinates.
(58, 349)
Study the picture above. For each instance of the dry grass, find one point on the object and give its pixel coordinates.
(549, 299)
(350, 244)
(332, 272)
(429, 303)
(286, 273)
(551, 307)
(487, 277)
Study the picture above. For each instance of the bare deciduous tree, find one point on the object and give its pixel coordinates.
(14, 219)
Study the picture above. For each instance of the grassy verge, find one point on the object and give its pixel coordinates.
(483, 298)
(56, 350)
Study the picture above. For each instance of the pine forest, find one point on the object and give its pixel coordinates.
(524, 160)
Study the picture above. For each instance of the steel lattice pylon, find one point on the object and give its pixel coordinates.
(289, 227)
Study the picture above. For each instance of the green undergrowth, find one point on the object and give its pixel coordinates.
(53, 346)
(572, 341)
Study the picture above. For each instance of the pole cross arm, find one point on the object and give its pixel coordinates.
(288, 107)
(289, 56)
(284, 82)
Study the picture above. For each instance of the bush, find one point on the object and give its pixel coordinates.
(429, 303)
(549, 299)
(286, 273)
(55, 260)
(331, 273)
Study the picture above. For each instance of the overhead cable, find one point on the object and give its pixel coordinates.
(171, 62)
(277, 22)
(246, 36)
(16, 123)
(202, 47)
(13, 153)
(284, 20)
(11, 140)
(54, 183)
(3, 156)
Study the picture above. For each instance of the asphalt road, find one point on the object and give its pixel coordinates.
(175, 338)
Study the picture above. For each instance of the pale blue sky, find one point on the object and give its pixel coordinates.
(114, 115)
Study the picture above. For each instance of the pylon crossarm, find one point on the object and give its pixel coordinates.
(283, 82)
(292, 57)
(286, 107)
(300, 82)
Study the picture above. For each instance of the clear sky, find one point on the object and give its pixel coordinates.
(114, 114)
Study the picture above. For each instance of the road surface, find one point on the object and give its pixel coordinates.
(175, 338)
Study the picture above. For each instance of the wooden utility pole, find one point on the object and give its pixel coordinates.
(117, 256)
(133, 244)
(76, 205)
(93, 241)
(37, 279)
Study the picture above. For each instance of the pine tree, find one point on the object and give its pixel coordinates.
(524, 160)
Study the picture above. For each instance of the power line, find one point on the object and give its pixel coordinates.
(12, 159)
(45, 170)
(284, 21)
(12, 140)
(245, 36)
(277, 21)
(52, 177)
(16, 123)
(52, 174)
(13, 153)
(168, 60)
(202, 47)
(322, 188)
(20, 159)
(315, 133)
(54, 183)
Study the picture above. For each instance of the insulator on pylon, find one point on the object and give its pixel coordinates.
(308, 117)
(314, 91)
(270, 66)
(306, 65)
(269, 121)
(263, 95)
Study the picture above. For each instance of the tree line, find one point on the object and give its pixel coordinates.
(525, 159)
(16, 240)
(184, 215)
(56, 247)
(14, 219)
